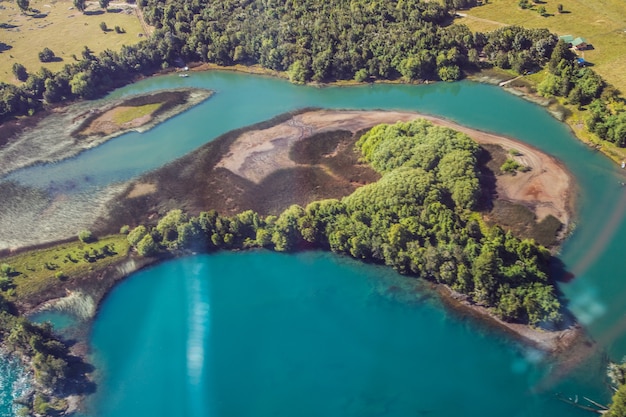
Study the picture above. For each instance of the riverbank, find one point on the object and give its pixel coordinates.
(570, 115)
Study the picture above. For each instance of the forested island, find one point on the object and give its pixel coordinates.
(418, 218)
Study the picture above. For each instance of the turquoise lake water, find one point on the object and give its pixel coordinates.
(264, 334)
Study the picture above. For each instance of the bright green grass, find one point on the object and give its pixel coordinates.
(38, 270)
(64, 31)
(128, 114)
(601, 22)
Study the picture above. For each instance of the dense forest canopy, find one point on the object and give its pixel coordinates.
(417, 218)
(312, 40)
(325, 41)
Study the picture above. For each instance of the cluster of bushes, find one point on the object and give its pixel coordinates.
(581, 86)
(37, 342)
(417, 218)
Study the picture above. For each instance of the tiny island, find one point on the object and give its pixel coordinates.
(471, 212)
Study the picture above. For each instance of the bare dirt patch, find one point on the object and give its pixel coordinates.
(141, 188)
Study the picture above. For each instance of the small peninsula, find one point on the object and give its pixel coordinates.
(300, 157)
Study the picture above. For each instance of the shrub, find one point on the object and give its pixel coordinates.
(136, 235)
(6, 270)
(86, 236)
(46, 55)
(147, 246)
(103, 26)
(510, 166)
(59, 275)
(124, 229)
(20, 72)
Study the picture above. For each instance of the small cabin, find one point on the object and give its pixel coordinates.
(568, 39)
(580, 44)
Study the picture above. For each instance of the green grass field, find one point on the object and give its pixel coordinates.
(43, 268)
(128, 114)
(62, 28)
(601, 22)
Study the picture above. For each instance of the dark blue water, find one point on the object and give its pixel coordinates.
(220, 336)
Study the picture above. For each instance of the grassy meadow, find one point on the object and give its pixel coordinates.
(601, 22)
(39, 269)
(57, 25)
(123, 115)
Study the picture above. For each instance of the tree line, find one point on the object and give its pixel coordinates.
(310, 40)
(417, 218)
(325, 41)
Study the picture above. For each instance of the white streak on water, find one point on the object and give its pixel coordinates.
(198, 332)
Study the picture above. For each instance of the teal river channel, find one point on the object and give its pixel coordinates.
(313, 334)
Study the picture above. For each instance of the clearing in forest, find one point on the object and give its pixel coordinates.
(601, 22)
(57, 25)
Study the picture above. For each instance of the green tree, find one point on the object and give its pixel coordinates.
(46, 55)
(298, 72)
(24, 5)
(20, 72)
(147, 246)
(135, 236)
(104, 4)
(361, 75)
(80, 5)
(80, 85)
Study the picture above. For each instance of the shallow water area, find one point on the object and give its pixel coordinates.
(62, 322)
